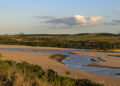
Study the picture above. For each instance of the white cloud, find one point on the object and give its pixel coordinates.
(95, 19)
(80, 19)
(77, 20)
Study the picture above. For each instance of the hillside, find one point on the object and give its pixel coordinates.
(99, 41)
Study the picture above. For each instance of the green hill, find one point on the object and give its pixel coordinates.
(99, 41)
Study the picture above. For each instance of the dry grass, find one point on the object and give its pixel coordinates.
(24, 74)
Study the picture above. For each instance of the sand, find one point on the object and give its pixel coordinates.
(22, 46)
(46, 61)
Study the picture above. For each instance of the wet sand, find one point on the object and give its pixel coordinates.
(49, 61)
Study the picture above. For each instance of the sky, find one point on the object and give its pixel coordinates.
(59, 16)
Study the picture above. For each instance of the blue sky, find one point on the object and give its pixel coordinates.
(63, 16)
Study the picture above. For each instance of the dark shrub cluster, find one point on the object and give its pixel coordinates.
(11, 72)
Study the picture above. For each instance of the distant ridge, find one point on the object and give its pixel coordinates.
(79, 34)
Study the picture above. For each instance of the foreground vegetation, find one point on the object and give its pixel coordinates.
(99, 41)
(24, 74)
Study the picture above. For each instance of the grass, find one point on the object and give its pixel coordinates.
(25, 74)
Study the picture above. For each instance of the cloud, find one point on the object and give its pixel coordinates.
(116, 21)
(80, 19)
(71, 21)
(95, 19)
(45, 17)
(77, 20)
(113, 22)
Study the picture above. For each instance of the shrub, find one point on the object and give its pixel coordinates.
(25, 74)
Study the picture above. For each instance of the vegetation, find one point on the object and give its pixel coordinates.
(99, 41)
(24, 74)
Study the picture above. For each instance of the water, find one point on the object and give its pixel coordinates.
(73, 61)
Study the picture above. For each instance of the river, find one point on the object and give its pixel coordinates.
(74, 61)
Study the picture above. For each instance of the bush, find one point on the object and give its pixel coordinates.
(19, 74)
(86, 82)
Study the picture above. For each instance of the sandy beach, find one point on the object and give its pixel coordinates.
(49, 61)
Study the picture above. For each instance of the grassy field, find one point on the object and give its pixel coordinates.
(25, 74)
(99, 41)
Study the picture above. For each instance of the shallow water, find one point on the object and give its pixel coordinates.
(76, 62)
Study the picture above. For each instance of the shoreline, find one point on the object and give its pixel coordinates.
(46, 62)
(59, 57)
(38, 47)
(96, 65)
(109, 60)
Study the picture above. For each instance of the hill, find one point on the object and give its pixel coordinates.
(98, 41)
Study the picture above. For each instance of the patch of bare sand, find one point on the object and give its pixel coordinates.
(36, 47)
(22, 46)
(44, 60)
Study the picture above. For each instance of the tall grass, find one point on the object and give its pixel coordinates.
(25, 74)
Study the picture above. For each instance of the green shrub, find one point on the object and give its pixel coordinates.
(86, 82)
(19, 74)
(67, 73)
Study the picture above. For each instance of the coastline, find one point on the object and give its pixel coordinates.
(59, 57)
(96, 65)
(45, 61)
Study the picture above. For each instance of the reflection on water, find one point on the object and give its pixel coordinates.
(76, 62)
